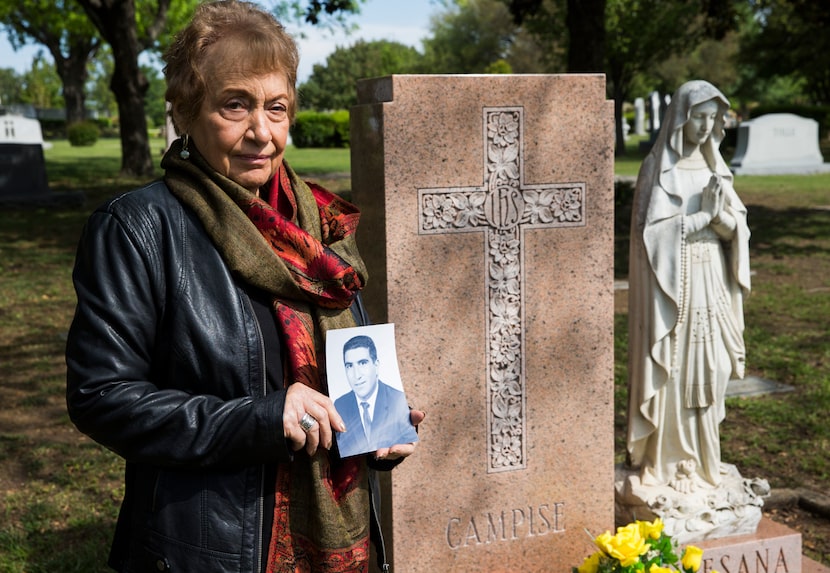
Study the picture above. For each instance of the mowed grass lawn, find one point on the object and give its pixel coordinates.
(59, 492)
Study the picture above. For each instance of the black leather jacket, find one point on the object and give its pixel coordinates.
(166, 367)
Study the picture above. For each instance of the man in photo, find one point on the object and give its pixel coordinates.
(376, 415)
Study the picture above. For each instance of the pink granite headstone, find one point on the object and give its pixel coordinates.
(772, 548)
(488, 210)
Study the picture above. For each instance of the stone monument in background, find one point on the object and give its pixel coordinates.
(688, 277)
(654, 112)
(23, 179)
(639, 116)
(22, 167)
(776, 144)
(487, 227)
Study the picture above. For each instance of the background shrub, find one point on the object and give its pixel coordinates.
(341, 128)
(321, 129)
(83, 133)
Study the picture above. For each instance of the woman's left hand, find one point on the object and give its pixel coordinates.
(402, 450)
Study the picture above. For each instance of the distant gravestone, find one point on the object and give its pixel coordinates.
(487, 227)
(655, 109)
(778, 143)
(23, 179)
(639, 116)
(654, 115)
(22, 167)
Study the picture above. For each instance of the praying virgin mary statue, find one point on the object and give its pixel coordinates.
(688, 278)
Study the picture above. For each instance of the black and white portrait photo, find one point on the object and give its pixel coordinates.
(365, 385)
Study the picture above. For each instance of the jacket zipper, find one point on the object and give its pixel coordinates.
(261, 502)
(374, 484)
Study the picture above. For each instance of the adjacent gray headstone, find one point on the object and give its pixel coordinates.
(778, 143)
(22, 167)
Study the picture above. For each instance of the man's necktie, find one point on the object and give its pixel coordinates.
(367, 421)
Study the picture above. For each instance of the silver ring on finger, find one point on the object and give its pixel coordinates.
(307, 421)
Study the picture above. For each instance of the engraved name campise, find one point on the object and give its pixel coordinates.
(505, 525)
(503, 207)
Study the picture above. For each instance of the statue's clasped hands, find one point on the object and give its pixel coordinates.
(713, 198)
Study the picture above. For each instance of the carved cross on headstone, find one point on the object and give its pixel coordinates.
(503, 207)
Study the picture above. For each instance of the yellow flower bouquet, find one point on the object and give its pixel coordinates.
(641, 546)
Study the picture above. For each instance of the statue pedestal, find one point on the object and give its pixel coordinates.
(772, 548)
(705, 512)
(726, 522)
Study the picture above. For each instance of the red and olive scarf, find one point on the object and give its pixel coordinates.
(311, 266)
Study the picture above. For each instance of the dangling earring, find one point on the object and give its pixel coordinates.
(184, 153)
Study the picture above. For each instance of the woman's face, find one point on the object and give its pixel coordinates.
(701, 121)
(242, 127)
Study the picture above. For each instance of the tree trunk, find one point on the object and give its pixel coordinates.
(73, 74)
(74, 100)
(129, 88)
(586, 36)
(116, 21)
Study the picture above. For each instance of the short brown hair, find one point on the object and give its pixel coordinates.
(253, 43)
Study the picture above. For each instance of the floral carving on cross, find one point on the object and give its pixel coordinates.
(504, 207)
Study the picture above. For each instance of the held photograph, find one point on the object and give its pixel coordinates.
(365, 385)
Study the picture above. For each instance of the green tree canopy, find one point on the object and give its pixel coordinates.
(99, 95)
(712, 60)
(469, 37)
(130, 27)
(72, 31)
(64, 30)
(11, 86)
(41, 85)
(642, 34)
(578, 25)
(154, 102)
(323, 13)
(332, 86)
(790, 40)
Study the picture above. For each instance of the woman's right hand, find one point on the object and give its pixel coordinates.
(301, 400)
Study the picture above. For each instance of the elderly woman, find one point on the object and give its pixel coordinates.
(688, 275)
(196, 348)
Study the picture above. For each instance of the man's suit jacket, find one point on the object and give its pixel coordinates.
(390, 423)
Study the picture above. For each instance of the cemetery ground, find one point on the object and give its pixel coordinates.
(59, 492)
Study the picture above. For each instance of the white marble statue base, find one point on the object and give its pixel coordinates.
(708, 512)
